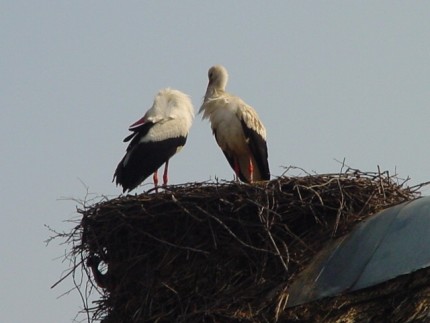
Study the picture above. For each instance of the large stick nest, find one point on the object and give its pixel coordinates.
(211, 252)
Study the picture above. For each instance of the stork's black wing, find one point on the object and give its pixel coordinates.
(258, 147)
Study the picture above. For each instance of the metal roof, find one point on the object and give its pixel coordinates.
(394, 242)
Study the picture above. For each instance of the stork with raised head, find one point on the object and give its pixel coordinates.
(237, 129)
(156, 137)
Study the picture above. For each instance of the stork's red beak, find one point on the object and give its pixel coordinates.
(137, 124)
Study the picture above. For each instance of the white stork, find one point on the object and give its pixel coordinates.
(156, 137)
(237, 129)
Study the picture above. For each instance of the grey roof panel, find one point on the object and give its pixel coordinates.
(405, 247)
(393, 242)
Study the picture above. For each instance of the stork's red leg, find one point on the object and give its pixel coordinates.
(251, 170)
(165, 177)
(155, 178)
(236, 169)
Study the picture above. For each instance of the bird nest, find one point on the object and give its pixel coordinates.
(217, 252)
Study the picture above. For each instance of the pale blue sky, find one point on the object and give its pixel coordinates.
(329, 79)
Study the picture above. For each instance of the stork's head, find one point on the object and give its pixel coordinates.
(218, 77)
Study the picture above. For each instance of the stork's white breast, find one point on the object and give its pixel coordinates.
(227, 127)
